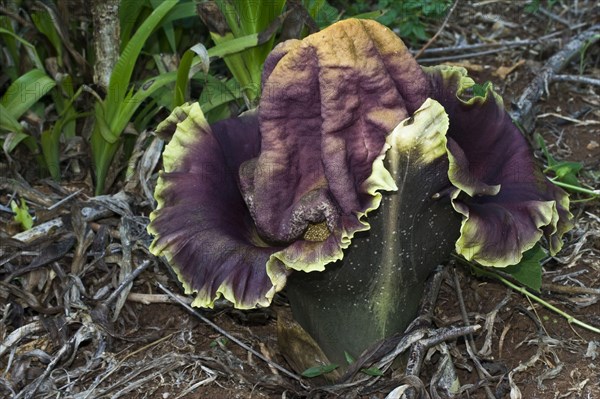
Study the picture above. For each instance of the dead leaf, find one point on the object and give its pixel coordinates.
(592, 145)
(503, 71)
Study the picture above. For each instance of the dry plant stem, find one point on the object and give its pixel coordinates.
(231, 337)
(420, 348)
(147, 299)
(67, 198)
(98, 381)
(82, 334)
(470, 342)
(415, 359)
(523, 111)
(434, 37)
(553, 16)
(20, 333)
(56, 224)
(128, 280)
(524, 291)
(577, 79)
(438, 60)
(503, 44)
(568, 289)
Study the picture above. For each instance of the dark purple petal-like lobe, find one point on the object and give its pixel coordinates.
(201, 224)
(328, 103)
(506, 202)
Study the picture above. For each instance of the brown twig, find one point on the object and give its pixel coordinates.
(231, 337)
(577, 79)
(567, 289)
(523, 112)
(470, 342)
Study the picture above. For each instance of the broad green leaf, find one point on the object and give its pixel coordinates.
(323, 13)
(26, 91)
(528, 272)
(121, 74)
(10, 44)
(184, 9)
(319, 370)
(22, 214)
(217, 93)
(44, 23)
(566, 172)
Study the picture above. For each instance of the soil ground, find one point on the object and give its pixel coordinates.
(71, 347)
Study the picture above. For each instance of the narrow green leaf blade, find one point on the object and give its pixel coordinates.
(349, 358)
(370, 15)
(233, 46)
(44, 23)
(181, 83)
(319, 370)
(148, 88)
(121, 75)
(51, 153)
(373, 371)
(30, 48)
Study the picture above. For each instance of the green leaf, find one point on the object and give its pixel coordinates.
(528, 272)
(121, 74)
(103, 126)
(319, 370)
(147, 88)
(45, 24)
(9, 122)
(481, 90)
(566, 172)
(28, 46)
(22, 214)
(14, 139)
(181, 83)
(50, 150)
(370, 15)
(12, 51)
(167, 27)
(233, 46)
(373, 371)
(26, 91)
(129, 13)
(217, 93)
(349, 358)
